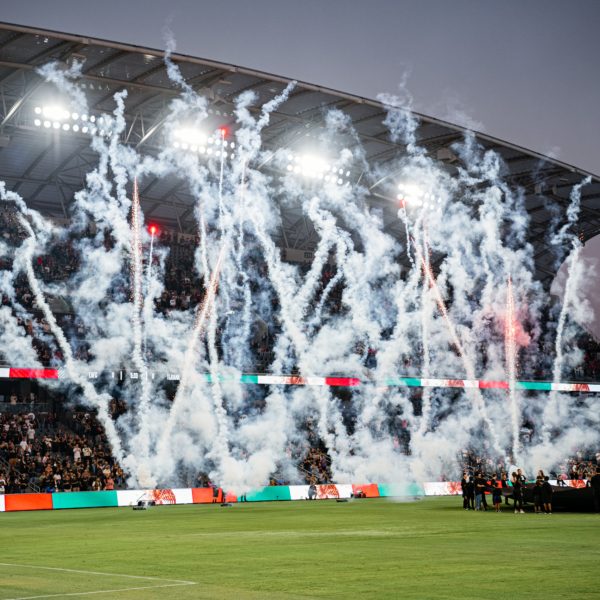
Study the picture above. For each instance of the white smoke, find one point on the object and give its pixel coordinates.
(431, 304)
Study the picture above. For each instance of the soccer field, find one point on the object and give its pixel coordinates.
(363, 548)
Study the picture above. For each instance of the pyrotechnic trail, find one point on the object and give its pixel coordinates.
(99, 401)
(468, 364)
(426, 316)
(190, 359)
(571, 285)
(510, 349)
(140, 308)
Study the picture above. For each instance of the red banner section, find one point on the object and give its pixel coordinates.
(342, 381)
(207, 496)
(28, 502)
(493, 385)
(368, 490)
(33, 373)
(203, 496)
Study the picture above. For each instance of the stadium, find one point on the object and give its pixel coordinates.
(226, 294)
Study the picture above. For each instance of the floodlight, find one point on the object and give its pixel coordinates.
(189, 135)
(313, 166)
(410, 194)
(55, 113)
(413, 194)
(59, 118)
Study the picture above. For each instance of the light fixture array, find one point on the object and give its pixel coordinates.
(412, 195)
(195, 141)
(315, 167)
(58, 118)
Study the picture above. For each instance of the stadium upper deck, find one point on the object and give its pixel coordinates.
(46, 167)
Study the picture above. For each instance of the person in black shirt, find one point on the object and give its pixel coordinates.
(517, 491)
(504, 480)
(537, 495)
(471, 493)
(464, 484)
(480, 485)
(547, 495)
(595, 485)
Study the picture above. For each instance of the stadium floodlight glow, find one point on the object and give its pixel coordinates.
(54, 112)
(413, 195)
(59, 118)
(313, 166)
(410, 194)
(196, 141)
(188, 136)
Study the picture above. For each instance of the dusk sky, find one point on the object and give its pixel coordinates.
(526, 71)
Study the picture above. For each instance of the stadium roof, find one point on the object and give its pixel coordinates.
(47, 168)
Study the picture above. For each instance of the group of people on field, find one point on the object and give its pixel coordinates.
(474, 489)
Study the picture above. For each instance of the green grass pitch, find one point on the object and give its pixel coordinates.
(283, 550)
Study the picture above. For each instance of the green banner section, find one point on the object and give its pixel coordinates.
(391, 490)
(249, 379)
(268, 494)
(533, 385)
(409, 381)
(84, 499)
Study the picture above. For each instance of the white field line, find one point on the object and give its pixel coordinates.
(165, 582)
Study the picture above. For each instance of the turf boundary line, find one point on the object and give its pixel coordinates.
(167, 582)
